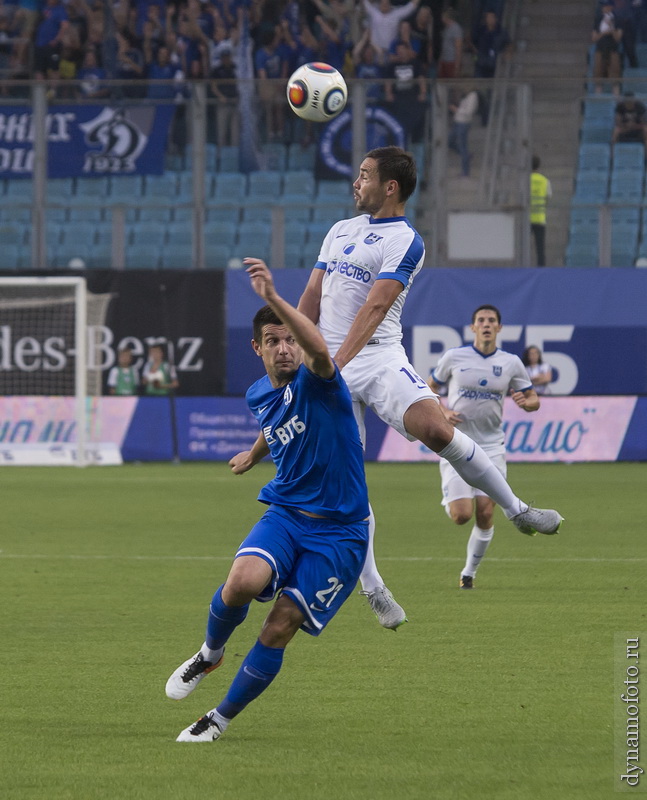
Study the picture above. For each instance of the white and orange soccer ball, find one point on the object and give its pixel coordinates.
(317, 92)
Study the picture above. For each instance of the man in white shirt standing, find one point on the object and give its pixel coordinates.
(478, 377)
(458, 134)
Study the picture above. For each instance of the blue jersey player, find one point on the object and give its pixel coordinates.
(310, 545)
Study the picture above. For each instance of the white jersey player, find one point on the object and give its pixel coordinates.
(478, 377)
(355, 293)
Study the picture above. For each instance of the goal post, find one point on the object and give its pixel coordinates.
(43, 354)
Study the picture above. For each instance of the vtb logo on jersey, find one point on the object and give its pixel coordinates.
(267, 433)
(497, 371)
(372, 238)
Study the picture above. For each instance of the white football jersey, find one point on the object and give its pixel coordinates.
(355, 253)
(477, 387)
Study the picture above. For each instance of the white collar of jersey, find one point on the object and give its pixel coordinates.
(485, 355)
(372, 221)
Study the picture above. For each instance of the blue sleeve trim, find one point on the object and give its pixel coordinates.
(394, 276)
(320, 265)
(411, 258)
(435, 379)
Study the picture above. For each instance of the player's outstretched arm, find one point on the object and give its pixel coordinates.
(310, 300)
(371, 314)
(315, 353)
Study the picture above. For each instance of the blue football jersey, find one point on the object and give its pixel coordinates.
(314, 442)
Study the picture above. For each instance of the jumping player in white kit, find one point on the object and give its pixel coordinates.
(355, 293)
(478, 377)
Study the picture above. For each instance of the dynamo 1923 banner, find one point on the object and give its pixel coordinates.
(89, 140)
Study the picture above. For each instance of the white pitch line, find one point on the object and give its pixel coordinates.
(78, 557)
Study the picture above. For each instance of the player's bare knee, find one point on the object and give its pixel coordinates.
(460, 517)
(282, 623)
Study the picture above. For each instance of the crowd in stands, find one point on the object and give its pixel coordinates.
(78, 44)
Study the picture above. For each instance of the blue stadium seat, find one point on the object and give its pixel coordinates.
(301, 158)
(300, 182)
(62, 255)
(94, 190)
(20, 189)
(310, 255)
(217, 256)
(180, 234)
(317, 232)
(297, 207)
(177, 256)
(626, 184)
(12, 213)
(9, 255)
(59, 190)
(151, 213)
(228, 158)
(275, 156)
(86, 214)
(81, 233)
(267, 185)
(211, 157)
(223, 214)
(143, 256)
(254, 212)
(594, 156)
(329, 213)
(220, 234)
(146, 233)
(339, 191)
(591, 187)
(230, 186)
(628, 155)
(126, 189)
(185, 186)
(161, 188)
(58, 214)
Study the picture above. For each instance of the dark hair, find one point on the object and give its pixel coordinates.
(264, 316)
(526, 359)
(535, 163)
(395, 164)
(490, 307)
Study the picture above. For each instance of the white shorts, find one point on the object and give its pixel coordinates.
(383, 379)
(455, 488)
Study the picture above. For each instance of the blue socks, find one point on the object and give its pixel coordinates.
(223, 620)
(258, 670)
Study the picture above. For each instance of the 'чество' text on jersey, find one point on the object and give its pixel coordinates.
(355, 253)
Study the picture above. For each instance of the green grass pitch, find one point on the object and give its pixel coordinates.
(503, 692)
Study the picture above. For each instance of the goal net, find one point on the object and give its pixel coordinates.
(45, 384)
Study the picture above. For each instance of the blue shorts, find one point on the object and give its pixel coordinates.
(315, 562)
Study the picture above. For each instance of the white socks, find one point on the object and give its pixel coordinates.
(221, 722)
(212, 656)
(471, 463)
(370, 577)
(476, 546)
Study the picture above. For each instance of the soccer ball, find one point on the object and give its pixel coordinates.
(317, 92)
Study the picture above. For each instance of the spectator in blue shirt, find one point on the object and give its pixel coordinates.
(48, 39)
(91, 75)
(269, 67)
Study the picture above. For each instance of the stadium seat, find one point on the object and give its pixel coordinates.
(217, 256)
(230, 186)
(146, 233)
(19, 190)
(300, 182)
(317, 232)
(13, 213)
(142, 256)
(591, 187)
(180, 234)
(161, 188)
(185, 186)
(267, 185)
(223, 214)
(126, 188)
(297, 207)
(275, 156)
(220, 234)
(95, 190)
(56, 214)
(177, 256)
(628, 156)
(338, 191)
(254, 212)
(59, 190)
(626, 183)
(211, 157)
(594, 156)
(80, 233)
(151, 213)
(301, 158)
(9, 255)
(86, 214)
(329, 213)
(228, 158)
